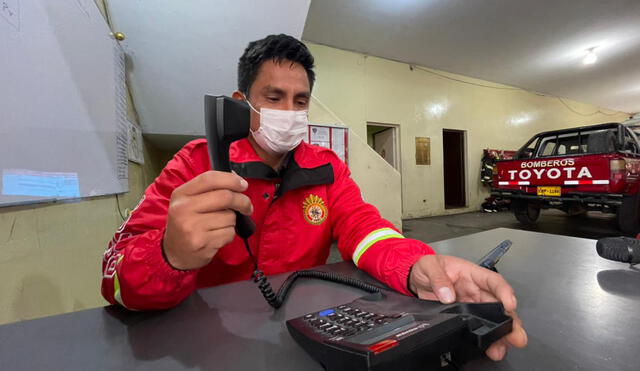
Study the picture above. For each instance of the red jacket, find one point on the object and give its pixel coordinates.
(298, 213)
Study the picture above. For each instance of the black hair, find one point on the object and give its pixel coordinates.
(278, 48)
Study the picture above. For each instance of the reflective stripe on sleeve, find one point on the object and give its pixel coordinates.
(371, 238)
(116, 286)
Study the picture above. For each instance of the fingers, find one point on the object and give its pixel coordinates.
(212, 180)
(201, 218)
(472, 283)
(494, 284)
(217, 239)
(440, 283)
(518, 336)
(223, 219)
(222, 199)
(497, 350)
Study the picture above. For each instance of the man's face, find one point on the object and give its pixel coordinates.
(282, 86)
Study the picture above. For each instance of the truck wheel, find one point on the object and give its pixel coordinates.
(527, 213)
(629, 215)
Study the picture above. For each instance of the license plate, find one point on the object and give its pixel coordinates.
(549, 191)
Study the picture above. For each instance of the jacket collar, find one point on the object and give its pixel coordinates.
(301, 167)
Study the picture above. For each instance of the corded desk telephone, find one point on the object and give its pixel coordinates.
(383, 330)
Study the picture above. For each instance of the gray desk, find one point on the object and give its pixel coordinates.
(581, 313)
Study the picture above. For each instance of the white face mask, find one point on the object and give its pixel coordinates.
(280, 131)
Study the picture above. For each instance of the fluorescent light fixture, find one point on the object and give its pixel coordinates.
(590, 58)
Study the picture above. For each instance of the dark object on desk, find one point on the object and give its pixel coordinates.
(397, 332)
(619, 249)
(493, 257)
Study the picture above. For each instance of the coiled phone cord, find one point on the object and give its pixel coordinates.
(276, 300)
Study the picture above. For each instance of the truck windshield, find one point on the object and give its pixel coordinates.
(583, 142)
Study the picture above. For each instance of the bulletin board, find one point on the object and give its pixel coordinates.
(332, 137)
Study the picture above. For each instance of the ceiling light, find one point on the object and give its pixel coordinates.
(437, 109)
(520, 119)
(590, 58)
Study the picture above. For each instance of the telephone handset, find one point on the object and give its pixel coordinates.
(227, 120)
(380, 331)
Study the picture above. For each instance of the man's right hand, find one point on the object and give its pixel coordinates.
(201, 218)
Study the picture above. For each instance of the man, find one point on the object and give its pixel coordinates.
(181, 236)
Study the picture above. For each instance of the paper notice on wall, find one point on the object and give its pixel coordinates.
(122, 123)
(136, 153)
(122, 151)
(320, 136)
(21, 182)
(337, 142)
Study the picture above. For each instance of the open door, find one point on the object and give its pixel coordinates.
(454, 169)
(383, 138)
(384, 143)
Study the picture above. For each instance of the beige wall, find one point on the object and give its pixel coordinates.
(361, 89)
(50, 254)
(379, 182)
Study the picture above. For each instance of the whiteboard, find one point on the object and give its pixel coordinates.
(63, 128)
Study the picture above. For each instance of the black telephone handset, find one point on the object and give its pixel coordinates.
(381, 331)
(226, 121)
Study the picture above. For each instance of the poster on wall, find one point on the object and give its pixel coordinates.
(320, 136)
(423, 151)
(333, 137)
(338, 142)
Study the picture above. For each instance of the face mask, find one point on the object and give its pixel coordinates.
(280, 131)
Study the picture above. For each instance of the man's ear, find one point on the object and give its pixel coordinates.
(237, 95)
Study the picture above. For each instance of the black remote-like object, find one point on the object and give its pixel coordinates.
(492, 258)
(227, 120)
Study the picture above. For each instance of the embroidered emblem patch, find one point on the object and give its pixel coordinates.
(314, 210)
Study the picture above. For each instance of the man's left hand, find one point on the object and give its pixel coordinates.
(449, 279)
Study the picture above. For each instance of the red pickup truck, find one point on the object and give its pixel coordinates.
(576, 170)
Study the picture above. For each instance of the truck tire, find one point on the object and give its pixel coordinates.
(629, 215)
(527, 213)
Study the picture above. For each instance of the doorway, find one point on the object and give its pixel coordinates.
(383, 138)
(455, 190)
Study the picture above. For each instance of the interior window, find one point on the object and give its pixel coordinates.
(599, 141)
(547, 146)
(562, 149)
(569, 144)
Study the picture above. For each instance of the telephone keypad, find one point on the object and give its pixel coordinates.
(346, 321)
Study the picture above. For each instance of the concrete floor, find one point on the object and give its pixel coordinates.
(594, 225)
